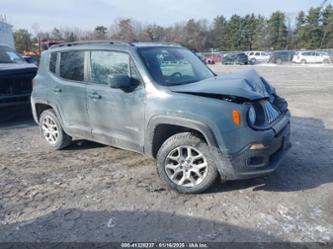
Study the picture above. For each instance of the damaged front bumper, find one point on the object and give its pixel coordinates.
(254, 161)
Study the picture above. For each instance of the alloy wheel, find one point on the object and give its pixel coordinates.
(186, 166)
(50, 130)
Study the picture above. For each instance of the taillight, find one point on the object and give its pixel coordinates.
(33, 82)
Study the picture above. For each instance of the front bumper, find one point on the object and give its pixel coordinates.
(249, 163)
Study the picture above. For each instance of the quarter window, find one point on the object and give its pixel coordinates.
(105, 64)
(72, 65)
(53, 62)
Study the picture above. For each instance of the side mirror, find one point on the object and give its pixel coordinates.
(120, 81)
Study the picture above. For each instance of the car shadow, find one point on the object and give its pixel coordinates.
(307, 165)
(83, 145)
(76, 225)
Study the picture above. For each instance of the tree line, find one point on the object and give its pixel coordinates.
(309, 30)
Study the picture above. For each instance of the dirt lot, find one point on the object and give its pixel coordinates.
(91, 192)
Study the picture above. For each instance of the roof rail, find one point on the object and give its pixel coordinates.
(75, 43)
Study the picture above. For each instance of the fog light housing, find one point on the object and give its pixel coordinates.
(257, 146)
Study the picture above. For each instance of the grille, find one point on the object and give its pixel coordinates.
(271, 114)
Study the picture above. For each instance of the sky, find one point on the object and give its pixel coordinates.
(44, 15)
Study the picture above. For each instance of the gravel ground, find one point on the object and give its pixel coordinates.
(91, 192)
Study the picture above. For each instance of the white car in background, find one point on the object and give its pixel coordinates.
(258, 57)
(305, 57)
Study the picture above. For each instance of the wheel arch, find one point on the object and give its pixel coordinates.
(40, 106)
(162, 127)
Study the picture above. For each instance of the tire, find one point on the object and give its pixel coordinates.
(201, 161)
(326, 61)
(253, 61)
(48, 123)
(303, 61)
(279, 61)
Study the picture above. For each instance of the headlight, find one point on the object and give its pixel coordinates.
(252, 115)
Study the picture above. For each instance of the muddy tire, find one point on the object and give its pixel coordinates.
(52, 131)
(185, 162)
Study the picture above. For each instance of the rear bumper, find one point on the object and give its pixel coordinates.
(250, 163)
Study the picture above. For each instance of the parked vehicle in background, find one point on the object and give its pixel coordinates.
(15, 78)
(235, 58)
(258, 57)
(213, 57)
(161, 100)
(30, 59)
(305, 57)
(279, 57)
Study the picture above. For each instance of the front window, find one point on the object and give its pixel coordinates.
(9, 55)
(105, 64)
(173, 66)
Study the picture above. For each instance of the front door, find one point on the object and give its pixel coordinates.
(116, 115)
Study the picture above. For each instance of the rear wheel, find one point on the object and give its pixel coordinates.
(326, 61)
(52, 131)
(253, 61)
(186, 164)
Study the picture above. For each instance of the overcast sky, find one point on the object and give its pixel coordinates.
(86, 14)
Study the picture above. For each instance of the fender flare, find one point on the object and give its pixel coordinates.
(199, 126)
(54, 108)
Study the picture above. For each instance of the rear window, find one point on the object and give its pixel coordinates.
(53, 62)
(72, 65)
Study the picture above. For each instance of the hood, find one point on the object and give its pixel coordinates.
(12, 69)
(244, 84)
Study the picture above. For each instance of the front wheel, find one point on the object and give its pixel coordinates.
(186, 163)
(52, 131)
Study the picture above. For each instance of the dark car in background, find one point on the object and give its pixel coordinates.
(15, 79)
(235, 58)
(279, 57)
(31, 59)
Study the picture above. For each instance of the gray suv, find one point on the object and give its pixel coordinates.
(161, 100)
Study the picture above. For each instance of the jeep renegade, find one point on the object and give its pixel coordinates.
(163, 101)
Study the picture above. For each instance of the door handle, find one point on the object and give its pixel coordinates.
(57, 90)
(95, 96)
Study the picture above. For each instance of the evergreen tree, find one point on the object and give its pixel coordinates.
(327, 28)
(216, 36)
(100, 32)
(278, 31)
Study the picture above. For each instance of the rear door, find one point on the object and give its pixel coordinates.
(68, 91)
(116, 116)
(312, 57)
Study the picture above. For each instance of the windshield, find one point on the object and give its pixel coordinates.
(171, 66)
(9, 55)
